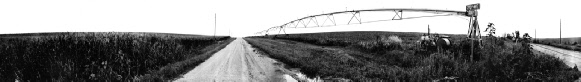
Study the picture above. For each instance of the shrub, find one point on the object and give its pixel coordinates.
(391, 39)
(382, 44)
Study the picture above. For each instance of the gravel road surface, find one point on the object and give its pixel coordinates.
(237, 62)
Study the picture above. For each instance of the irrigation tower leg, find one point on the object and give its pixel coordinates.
(471, 50)
(284, 30)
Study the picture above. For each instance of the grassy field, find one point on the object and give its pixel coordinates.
(340, 55)
(102, 56)
(567, 43)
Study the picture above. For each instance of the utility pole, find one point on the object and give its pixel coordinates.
(214, 25)
(559, 31)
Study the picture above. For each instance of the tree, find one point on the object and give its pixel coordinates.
(491, 30)
(526, 37)
(516, 35)
(509, 36)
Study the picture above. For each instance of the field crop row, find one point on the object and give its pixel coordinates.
(100, 56)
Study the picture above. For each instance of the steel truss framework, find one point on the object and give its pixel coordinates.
(473, 31)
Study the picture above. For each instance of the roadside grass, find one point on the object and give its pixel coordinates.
(176, 70)
(571, 43)
(575, 46)
(101, 56)
(318, 55)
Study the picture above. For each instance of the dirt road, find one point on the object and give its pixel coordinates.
(237, 62)
(571, 58)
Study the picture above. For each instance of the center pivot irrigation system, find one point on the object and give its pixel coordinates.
(473, 31)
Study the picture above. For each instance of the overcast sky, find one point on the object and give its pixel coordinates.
(245, 17)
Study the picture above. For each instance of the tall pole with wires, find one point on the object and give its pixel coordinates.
(215, 25)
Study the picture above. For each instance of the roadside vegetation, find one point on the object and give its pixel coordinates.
(567, 43)
(102, 56)
(395, 56)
